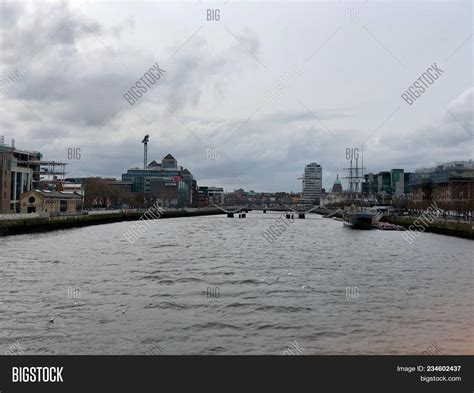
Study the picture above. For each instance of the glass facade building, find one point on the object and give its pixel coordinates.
(395, 182)
(168, 183)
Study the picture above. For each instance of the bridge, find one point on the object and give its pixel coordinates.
(290, 211)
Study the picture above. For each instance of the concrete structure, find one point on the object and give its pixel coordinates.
(21, 171)
(5, 182)
(16, 177)
(36, 201)
(312, 183)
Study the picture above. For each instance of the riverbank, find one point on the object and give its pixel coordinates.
(464, 229)
(442, 227)
(17, 226)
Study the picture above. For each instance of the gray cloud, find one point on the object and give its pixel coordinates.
(74, 83)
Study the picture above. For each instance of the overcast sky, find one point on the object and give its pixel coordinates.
(341, 68)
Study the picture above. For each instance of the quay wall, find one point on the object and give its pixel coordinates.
(42, 224)
(463, 229)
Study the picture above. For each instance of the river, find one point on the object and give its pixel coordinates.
(214, 285)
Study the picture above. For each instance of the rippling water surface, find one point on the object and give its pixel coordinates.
(135, 297)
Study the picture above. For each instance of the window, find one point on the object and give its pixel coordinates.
(31, 199)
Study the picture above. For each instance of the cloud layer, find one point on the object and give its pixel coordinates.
(79, 62)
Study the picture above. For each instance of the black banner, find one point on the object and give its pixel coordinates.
(246, 373)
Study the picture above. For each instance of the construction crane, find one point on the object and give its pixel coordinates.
(145, 150)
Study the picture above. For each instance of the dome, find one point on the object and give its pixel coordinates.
(337, 187)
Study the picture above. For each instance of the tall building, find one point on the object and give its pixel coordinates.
(21, 171)
(398, 182)
(312, 183)
(384, 182)
(370, 184)
(5, 181)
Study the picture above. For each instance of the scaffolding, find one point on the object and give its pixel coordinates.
(48, 173)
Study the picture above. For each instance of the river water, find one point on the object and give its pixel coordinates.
(214, 285)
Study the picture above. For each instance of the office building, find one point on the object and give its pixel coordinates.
(22, 171)
(312, 183)
(166, 182)
(451, 182)
(395, 182)
(210, 195)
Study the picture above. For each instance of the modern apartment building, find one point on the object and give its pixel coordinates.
(17, 177)
(21, 171)
(312, 183)
(5, 181)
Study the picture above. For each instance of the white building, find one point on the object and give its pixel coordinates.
(72, 187)
(312, 183)
(216, 194)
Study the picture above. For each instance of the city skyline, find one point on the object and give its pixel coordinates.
(345, 184)
(223, 86)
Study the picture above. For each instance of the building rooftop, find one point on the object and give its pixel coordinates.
(448, 165)
(59, 194)
(154, 163)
